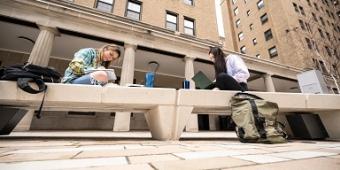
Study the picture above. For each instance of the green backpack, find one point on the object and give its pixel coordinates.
(256, 119)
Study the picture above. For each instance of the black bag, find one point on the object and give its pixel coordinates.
(26, 73)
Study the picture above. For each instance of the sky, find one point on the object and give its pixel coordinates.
(219, 18)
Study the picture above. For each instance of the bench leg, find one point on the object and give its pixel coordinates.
(9, 118)
(25, 122)
(331, 122)
(183, 114)
(167, 122)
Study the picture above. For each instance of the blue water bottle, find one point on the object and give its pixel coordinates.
(149, 79)
(186, 84)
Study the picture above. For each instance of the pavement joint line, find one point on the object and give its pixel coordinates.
(5, 155)
(73, 157)
(152, 166)
(128, 160)
(177, 156)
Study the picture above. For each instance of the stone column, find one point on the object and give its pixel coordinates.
(42, 48)
(122, 119)
(40, 55)
(268, 80)
(192, 125)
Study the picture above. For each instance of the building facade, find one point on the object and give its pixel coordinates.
(176, 34)
(299, 33)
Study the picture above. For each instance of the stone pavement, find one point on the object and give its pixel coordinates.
(137, 151)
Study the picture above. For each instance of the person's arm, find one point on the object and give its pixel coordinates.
(83, 61)
(239, 69)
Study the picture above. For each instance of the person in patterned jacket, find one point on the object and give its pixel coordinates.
(88, 59)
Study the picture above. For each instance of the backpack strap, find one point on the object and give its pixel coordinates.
(41, 104)
(259, 121)
(24, 85)
(248, 94)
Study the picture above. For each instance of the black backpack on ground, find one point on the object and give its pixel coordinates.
(26, 73)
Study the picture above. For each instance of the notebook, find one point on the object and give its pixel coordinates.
(110, 73)
(202, 81)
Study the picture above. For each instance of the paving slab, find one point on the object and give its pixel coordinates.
(151, 158)
(64, 164)
(23, 157)
(209, 163)
(198, 151)
(305, 164)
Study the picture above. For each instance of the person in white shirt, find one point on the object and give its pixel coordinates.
(231, 72)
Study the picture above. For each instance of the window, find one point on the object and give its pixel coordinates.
(268, 35)
(258, 56)
(238, 22)
(323, 67)
(273, 52)
(322, 21)
(189, 2)
(133, 10)
(327, 2)
(328, 51)
(308, 27)
(316, 6)
(334, 27)
(235, 11)
(315, 45)
(302, 25)
(171, 21)
(260, 4)
(189, 26)
(248, 13)
(105, 5)
(329, 15)
(243, 49)
(308, 1)
(254, 41)
(251, 26)
(301, 10)
(240, 36)
(264, 18)
(316, 63)
(309, 44)
(314, 16)
(295, 7)
(321, 33)
(328, 36)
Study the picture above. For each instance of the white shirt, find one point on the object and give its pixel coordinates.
(236, 68)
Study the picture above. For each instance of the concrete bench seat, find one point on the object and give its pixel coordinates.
(217, 102)
(157, 103)
(167, 111)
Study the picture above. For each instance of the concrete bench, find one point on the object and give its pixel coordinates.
(217, 102)
(158, 104)
(167, 111)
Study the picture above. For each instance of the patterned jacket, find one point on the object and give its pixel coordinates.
(85, 59)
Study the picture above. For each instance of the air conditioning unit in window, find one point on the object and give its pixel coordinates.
(312, 82)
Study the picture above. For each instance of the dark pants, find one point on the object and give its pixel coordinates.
(226, 82)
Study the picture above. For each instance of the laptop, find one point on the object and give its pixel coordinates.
(202, 81)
